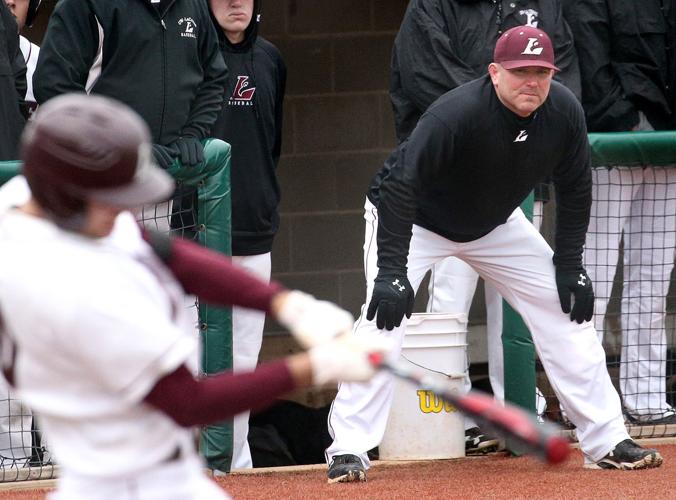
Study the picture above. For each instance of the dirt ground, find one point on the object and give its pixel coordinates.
(496, 476)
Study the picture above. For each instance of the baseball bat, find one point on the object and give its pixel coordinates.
(509, 422)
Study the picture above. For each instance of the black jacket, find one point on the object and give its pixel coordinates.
(628, 61)
(442, 44)
(12, 84)
(470, 162)
(166, 67)
(251, 121)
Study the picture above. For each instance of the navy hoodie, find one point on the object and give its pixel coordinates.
(251, 122)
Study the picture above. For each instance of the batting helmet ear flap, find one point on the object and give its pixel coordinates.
(32, 13)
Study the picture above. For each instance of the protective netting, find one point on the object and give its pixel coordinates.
(629, 255)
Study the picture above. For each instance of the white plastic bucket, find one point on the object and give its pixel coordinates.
(421, 426)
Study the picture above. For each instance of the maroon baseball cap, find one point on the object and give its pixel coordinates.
(524, 46)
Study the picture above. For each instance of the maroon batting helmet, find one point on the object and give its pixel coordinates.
(80, 147)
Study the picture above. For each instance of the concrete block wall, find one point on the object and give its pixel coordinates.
(338, 130)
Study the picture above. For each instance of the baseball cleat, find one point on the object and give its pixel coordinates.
(628, 455)
(477, 443)
(346, 469)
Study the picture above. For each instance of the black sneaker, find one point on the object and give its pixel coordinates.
(477, 443)
(346, 469)
(628, 455)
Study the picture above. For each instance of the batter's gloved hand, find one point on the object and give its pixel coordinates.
(190, 151)
(392, 298)
(163, 156)
(575, 282)
(347, 358)
(312, 322)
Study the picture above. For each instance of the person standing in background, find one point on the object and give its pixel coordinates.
(160, 57)
(441, 45)
(15, 425)
(429, 201)
(12, 86)
(251, 121)
(628, 61)
(25, 12)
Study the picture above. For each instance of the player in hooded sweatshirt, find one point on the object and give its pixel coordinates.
(251, 121)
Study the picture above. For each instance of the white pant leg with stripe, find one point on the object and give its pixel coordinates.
(517, 261)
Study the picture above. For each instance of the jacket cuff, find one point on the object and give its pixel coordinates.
(191, 132)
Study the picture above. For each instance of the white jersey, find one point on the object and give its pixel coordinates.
(95, 323)
(30, 53)
(14, 193)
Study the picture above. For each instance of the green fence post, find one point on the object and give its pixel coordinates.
(214, 223)
(212, 179)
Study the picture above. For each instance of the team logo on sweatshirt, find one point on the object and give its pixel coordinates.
(243, 94)
(188, 27)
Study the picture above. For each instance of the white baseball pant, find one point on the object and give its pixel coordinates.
(247, 338)
(451, 289)
(182, 479)
(15, 428)
(517, 261)
(641, 204)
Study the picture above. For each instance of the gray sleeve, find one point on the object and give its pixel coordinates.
(67, 52)
(566, 56)
(427, 56)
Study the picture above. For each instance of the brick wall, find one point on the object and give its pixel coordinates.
(338, 131)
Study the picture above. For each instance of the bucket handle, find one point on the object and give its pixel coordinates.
(448, 375)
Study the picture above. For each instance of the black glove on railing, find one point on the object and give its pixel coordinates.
(163, 156)
(190, 150)
(576, 282)
(392, 298)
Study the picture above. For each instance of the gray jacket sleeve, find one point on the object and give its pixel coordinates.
(67, 52)
(208, 99)
(564, 50)
(607, 108)
(12, 121)
(429, 64)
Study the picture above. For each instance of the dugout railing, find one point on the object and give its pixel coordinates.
(630, 257)
(199, 210)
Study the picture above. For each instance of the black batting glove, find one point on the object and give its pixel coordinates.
(575, 282)
(392, 298)
(163, 156)
(190, 151)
